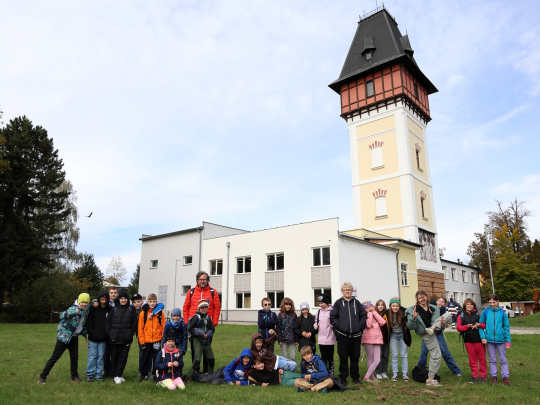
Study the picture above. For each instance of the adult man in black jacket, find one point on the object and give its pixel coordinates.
(348, 319)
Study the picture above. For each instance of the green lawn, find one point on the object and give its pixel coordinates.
(24, 350)
(529, 321)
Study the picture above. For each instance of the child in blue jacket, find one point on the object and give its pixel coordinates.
(498, 340)
(176, 324)
(169, 364)
(267, 320)
(314, 373)
(237, 371)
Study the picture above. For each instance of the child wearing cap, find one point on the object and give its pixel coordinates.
(178, 327)
(304, 330)
(327, 337)
(399, 337)
(72, 324)
(169, 364)
(372, 339)
(201, 330)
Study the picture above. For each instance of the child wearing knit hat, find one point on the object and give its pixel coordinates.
(399, 337)
(179, 328)
(201, 330)
(169, 364)
(72, 324)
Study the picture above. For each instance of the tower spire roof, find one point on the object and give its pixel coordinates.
(378, 31)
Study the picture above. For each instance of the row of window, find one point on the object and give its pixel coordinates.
(370, 91)
(377, 161)
(243, 300)
(380, 207)
(454, 274)
(274, 262)
(459, 297)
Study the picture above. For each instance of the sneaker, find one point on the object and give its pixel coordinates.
(90, 378)
(433, 383)
(473, 380)
(506, 381)
(482, 380)
(41, 380)
(122, 379)
(76, 379)
(99, 378)
(298, 389)
(494, 379)
(458, 375)
(106, 375)
(384, 375)
(145, 378)
(405, 377)
(356, 381)
(344, 382)
(429, 331)
(379, 377)
(394, 378)
(117, 380)
(324, 391)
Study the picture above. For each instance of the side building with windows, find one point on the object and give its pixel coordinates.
(175, 255)
(461, 281)
(298, 261)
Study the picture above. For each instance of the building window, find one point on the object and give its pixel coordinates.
(415, 90)
(320, 291)
(454, 276)
(368, 55)
(418, 159)
(276, 261)
(464, 276)
(216, 267)
(188, 260)
(153, 264)
(445, 270)
(162, 294)
(376, 154)
(243, 300)
(321, 256)
(243, 265)
(369, 89)
(276, 297)
(473, 277)
(380, 206)
(185, 289)
(404, 275)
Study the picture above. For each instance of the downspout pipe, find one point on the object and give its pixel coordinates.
(199, 229)
(398, 269)
(227, 306)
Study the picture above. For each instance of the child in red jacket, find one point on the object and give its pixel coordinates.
(468, 323)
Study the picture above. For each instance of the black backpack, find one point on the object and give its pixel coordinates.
(420, 375)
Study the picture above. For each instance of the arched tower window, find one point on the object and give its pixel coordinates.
(380, 202)
(418, 149)
(376, 154)
(422, 199)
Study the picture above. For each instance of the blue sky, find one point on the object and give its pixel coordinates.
(168, 113)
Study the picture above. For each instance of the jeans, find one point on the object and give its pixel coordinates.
(397, 343)
(285, 364)
(94, 364)
(447, 356)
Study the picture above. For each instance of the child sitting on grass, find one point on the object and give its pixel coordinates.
(72, 324)
(314, 374)
(260, 346)
(169, 364)
(201, 330)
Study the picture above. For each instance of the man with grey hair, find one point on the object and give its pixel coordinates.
(348, 319)
(202, 291)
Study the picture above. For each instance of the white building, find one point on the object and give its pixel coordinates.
(298, 261)
(461, 281)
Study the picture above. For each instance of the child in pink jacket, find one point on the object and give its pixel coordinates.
(327, 337)
(372, 339)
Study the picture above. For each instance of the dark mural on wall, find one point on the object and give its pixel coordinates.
(428, 250)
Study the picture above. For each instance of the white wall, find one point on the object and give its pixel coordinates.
(370, 268)
(166, 250)
(215, 231)
(295, 241)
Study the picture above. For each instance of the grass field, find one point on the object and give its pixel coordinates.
(529, 321)
(24, 350)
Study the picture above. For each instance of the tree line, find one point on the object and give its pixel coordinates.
(39, 232)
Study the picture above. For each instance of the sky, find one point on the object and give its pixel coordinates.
(170, 113)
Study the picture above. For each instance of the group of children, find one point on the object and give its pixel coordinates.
(111, 321)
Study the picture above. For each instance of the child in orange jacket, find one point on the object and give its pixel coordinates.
(151, 324)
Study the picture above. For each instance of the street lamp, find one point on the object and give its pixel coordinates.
(175, 269)
(489, 259)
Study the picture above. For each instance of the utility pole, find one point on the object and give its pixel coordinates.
(489, 258)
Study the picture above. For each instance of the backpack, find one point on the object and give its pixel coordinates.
(191, 292)
(421, 374)
(146, 315)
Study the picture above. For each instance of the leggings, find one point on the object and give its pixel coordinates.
(373, 358)
(173, 384)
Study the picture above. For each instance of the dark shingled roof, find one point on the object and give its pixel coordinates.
(379, 31)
